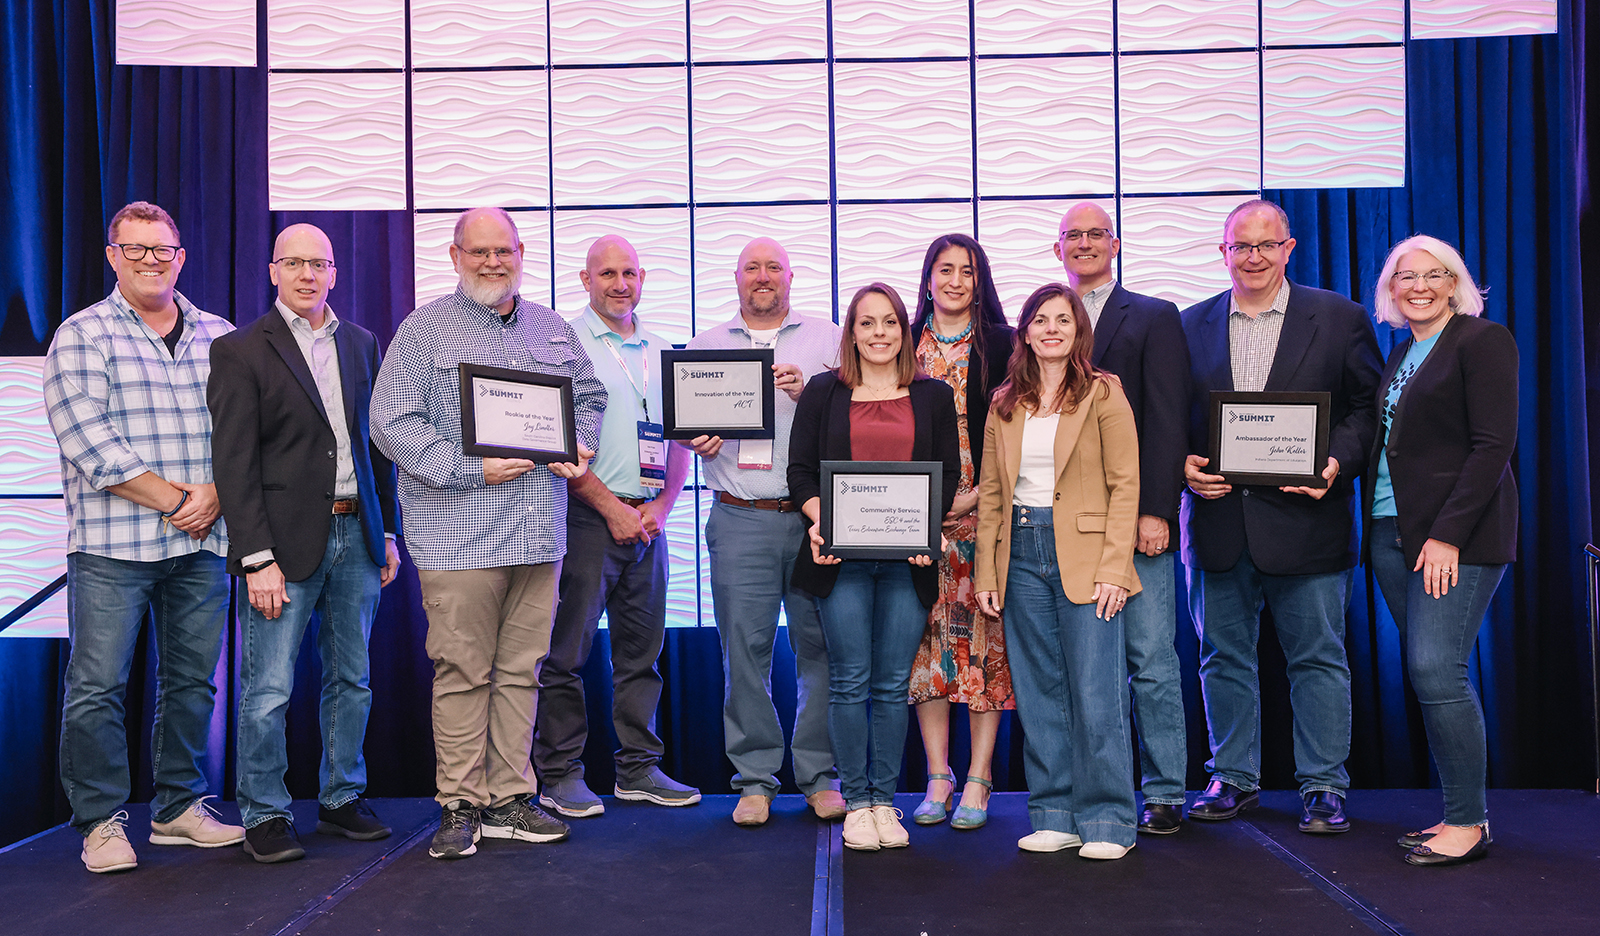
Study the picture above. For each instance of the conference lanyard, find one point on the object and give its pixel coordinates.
(644, 392)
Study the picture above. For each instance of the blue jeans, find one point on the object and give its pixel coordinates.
(874, 623)
(1069, 671)
(1438, 635)
(752, 556)
(106, 604)
(1308, 611)
(1150, 625)
(344, 592)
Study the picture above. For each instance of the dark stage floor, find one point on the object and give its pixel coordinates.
(647, 871)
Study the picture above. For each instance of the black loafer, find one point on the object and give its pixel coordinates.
(1222, 800)
(1161, 818)
(273, 841)
(1424, 857)
(1324, 814)
(353, 820)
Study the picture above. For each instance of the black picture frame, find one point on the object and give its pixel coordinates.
(673, 359)
(836, 472)
(472, 389)
(1222, 402)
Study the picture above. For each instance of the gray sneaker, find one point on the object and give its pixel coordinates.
(571, 797)
(521, 819)
(656, 787)
(458, 831)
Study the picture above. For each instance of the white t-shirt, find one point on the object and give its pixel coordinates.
(1036, 475)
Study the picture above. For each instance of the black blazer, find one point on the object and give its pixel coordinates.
(997, 345)
(822, 432)
(272, 447)
(1327, 343)
(1140, 339)
(1450, 445)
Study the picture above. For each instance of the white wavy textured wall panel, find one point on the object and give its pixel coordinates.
(1324, 22)
(1334, 118)
(688, 562)
(33, 553)
(1169, 246)
(181, 32)
(738, 30)
(1185, 24)
(352, 34)
(760, 132)
(337, 142)
(473, 148)
(436, 276)
(1019, 237)
(661, 238)
(621, 136)
(721, 233)
(612, 32)
(485, 34)
(30, 462)
(1042, 26)
(1037, 133)
(903, 130)
(886, 243)
(900, 28)
(1449, 19)
(1190, 123)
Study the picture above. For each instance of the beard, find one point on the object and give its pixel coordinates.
(490, 293)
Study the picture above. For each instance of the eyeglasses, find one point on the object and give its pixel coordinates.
(163, 253)
(295, 264)
(1406, 279)
(480, 254)
(1245, 250)
(1095, 234)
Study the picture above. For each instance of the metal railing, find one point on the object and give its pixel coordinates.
(39, 597)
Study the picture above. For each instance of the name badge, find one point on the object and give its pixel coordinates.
(652, 455)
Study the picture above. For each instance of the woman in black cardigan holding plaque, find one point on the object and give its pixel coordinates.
(875, 407)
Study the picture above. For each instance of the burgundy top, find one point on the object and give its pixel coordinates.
(882, 430)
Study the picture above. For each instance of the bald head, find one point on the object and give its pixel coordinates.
(614, 280)
(303, 288)
(1086, 245)
(763, 277)
(478, 216)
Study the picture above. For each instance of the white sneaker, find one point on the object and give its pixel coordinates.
(1104, 851)
(106, 846)
(1045, 840)
(860, 831)
(891, 834)
(198, 825)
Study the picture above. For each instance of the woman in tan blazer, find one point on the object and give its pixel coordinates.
(1058, 510)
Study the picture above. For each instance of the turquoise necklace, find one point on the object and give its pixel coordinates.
(954, 338)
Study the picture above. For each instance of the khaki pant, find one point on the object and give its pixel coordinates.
(488, 633)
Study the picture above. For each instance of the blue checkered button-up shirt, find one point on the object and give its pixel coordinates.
(121, 406)
(453, 519)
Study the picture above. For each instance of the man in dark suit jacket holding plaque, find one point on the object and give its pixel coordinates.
(313, 504)
(1288, 548)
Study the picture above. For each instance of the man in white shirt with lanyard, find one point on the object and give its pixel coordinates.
(616, 559)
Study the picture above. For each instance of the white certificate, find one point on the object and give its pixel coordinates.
(1267, 438)
(880, 511)
(718, 395)
(509, 414)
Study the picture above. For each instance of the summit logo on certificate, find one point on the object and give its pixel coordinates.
(718, 393)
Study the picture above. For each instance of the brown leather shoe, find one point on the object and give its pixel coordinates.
(752, 810)
(827, 804)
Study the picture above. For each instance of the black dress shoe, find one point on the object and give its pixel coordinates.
(353, 820)
(1413, 839)
(1425, 857)
(273, 841)
(1161, 818)
(1324, 814)
(1222, 800)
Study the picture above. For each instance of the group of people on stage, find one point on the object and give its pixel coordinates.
(1073, 448)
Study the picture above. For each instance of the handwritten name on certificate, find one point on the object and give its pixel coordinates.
(880, 510)
(723, 394)
(519, 415)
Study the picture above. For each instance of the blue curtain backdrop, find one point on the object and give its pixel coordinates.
(1498, 165)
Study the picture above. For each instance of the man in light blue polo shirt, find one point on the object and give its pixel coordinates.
(616, 555)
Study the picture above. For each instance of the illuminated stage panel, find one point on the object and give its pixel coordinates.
(1169, 246)
(33, 553)
(1185, 24)
(493, 33)
(903, 130)
(1335, 118)
(337, 142)
(181, 32)
(886, 243)
(616, 32)
(1037, 133)
(661, 238)
(1043, 26)
(353, 34)
(736, 30)
(760, 132)
(1450, 19)
(1190, 123)
(30, 461)
(1324, 22)
(900, 28)
(435, 276)
(473, 148)
(621, 136)
(1019, 238)
(688, 563)
(721, 233)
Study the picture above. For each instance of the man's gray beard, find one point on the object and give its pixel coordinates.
(488, 295)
